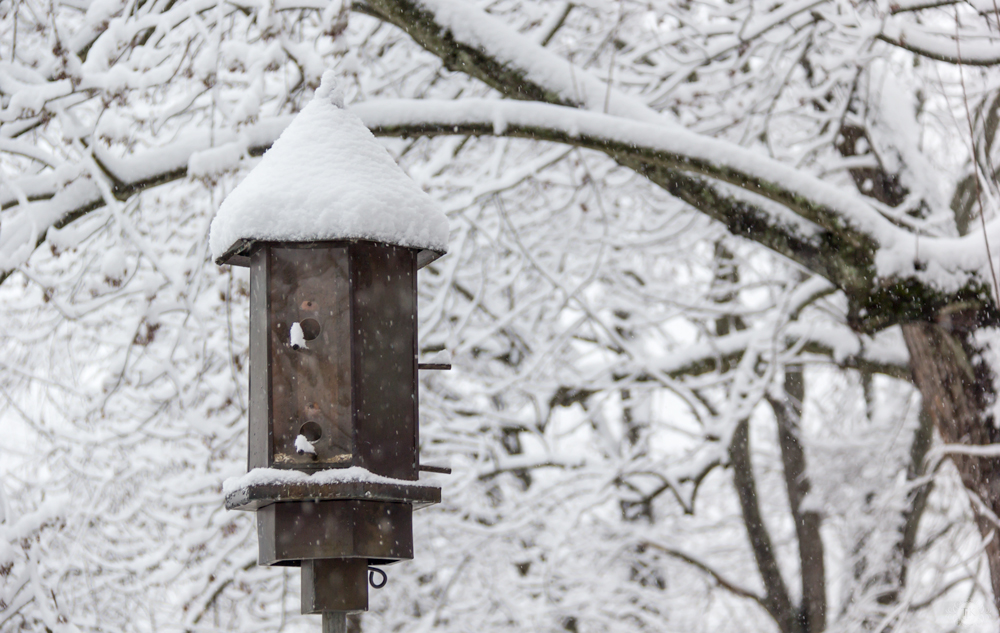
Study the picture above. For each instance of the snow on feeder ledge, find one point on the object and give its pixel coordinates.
(333, 232)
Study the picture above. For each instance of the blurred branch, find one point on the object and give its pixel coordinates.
(721, 580)
(916, 470)
(938, 48)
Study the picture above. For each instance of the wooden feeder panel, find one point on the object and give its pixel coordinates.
(336, 323)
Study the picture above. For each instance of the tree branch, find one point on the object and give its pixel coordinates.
(915, 470)
(834, 234)
(53, 205)
(788, 414)
(957, 388)
(470, 41)
(941, 48)
(728, 350)
(776, 600)
(716, 576)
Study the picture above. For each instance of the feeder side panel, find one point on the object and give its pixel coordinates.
(260, 446)
(310, 353)
(384, 330)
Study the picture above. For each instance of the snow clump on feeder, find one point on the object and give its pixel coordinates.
(327, 178)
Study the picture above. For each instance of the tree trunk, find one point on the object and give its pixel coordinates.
(957, 390)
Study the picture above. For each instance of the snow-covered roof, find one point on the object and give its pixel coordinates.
(328, 178)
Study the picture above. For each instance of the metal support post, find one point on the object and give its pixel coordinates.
(334, 622)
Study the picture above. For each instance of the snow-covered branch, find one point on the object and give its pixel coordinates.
(970, 51)
(608, 342)
(56, 199)
(777, 600)
(836, 233)
(837, 343)
(469, 40)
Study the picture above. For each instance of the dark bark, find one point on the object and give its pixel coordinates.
(837, 253)
(965, 60)
(957, 390)
(788, 413)
(955, 384)
(719, 578)
(916, 470)
(875, 182)
(965, 200)
(776, 599)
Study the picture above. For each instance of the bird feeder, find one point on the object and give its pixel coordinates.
(333, 232)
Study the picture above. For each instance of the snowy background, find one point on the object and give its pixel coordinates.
(622, 364)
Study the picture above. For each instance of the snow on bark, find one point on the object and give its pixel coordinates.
(943, 263)
(943, 46)
(474, 28)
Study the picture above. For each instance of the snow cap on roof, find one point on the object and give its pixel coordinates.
(327, 178)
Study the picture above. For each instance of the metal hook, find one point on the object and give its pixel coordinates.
(371, 577)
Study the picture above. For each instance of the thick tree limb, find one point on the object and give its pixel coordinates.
(956, 391)
(472, 42)
(695, 169)
(955, 382)
(837, 235)
(485, 48)
(644, 146)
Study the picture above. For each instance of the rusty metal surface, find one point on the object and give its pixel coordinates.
(257, 496)
(334, 585)
(378, 532)
(384, 325)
